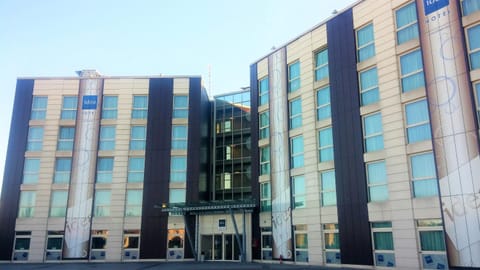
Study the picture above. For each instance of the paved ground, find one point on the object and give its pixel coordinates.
(162, 265)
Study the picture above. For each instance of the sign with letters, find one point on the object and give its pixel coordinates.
(89, 103)
(434, 5)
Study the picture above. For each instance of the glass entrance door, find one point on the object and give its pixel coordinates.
(220, 247)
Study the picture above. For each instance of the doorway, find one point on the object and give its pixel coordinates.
(220, 247)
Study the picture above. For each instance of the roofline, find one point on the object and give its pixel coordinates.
(107, 77)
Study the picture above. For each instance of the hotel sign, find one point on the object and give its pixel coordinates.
(89, 103)
(434, 5)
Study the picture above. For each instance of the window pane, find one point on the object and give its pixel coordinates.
(474, 46)
(299, 191)
(39, 108)
(138, 138)
(135, 169)
(411, 66)
(418, 123)
(140, 107)
(329, 194)
(383, 240)
(27, 204)
(62, 170)
(325, 142)
(109, 108)
(58, 205)
(35, 139)
(296, 152)
(295, 113)
(432, 241)
(263, 91)
(321, 68)
(294, 76)
(69, 109)
(177, 195)
(470, 6)
(31, 170)
(369, 86)
(424, 175)
(332, 241)
(180, 107)
(107, 138)
(264, 125)
(365, 43)
(104, 170)
(134, 203)
(373, 132)
(102, 203)
(22, 243)
(323, 103)
(178, 169)
(406, 20)
(65, 138)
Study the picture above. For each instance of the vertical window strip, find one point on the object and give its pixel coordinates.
(294, 76)
(179, 137)
(264, 123)
(299, 191)
(178, 169)
(331, 243)
(321, 65)
(296, 152)
(265, 197)
(383, 244)
(325, 144)
(263, 91)
(323, 103)
(329, 190)
(265, 160)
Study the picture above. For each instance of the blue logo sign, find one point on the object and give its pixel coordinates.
(434, 5)
(89, 103)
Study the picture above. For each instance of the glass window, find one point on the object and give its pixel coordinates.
(296, 152)
(66, 135)
(98, 244)
(477, 90)
(177, 195)
(178, 169)
(63, 167)
(104, 170)
(432, 243)
(134, 203)
(418, 123)
(325, 144)
(22, 245)
(264, 125)
(53, 252)
(331, 243)
(31, 170)
(267, 241)
(424, 176)
(329, 189)
(294, 76)
(179, 137)
(365, 43)
(35, 139)
(265, 160)
(140, 107)
(180, 106)
(299, 191)
(383, 244)
(138, 138)
(411, 66)
(406, 23)
(323, 103)
(295, 110)
(301, 243)
(109, 107)
(39, 108)
(263, 91)
(265, 197)
(131, 244)
(102, 203)
(136, 166)
(107, 138)
(321, 65)
(58, 204)
(69, 108)
(373, 132)
(377, 181)
(470, 6)
(474, 46)
(369, 87)
(27, 204)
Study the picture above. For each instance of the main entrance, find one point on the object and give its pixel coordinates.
(220, 247)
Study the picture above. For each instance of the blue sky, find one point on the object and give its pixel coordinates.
(145, 37)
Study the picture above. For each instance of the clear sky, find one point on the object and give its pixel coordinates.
(145, 37)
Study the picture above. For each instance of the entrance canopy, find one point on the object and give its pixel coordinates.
(211, 207)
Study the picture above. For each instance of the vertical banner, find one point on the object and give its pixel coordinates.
(80, 197)
(455, 137)
(279, 161)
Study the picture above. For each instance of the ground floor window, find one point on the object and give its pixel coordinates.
(53, 251)
(331, 243)
(175, 244)
(220, 247)
(131, 245)
(267, 243)
(98, 244)
(21, 245)
(383, 244)
(431, 238)
(301, 243)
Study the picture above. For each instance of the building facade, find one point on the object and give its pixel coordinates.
(357, 144)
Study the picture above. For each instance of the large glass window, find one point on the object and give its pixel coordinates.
(98, 244)
(31, 170)
(136, 166)
(331, 241)
(35, 139)
(180, 106)
(296, 152)
(321, 65)
(474, 46)
(299, 191)
(325, 144)
(406, 23)
(265, 160)
(63, 167)
(301, 243)
(383, 244)
(102, 203)
(178, 169)
(177, 195)
(107, 138)
(263, 91)
(295, 111)
(140, 107)
(138, 138)
(179, 137)
(424, 176)
(53, 252)
(329, 190)
(109, 107)
(377, 181)
(264, 125)
(134, 203)
(294, 76)
(39, 108)
(69, 108)
(323, 103)
(365, 43)
(265, 197)
(22, 245)
(470, 6)
(418, 123)
(411, 66)
(58, 204)
(131, 245)
(267, 241)
(373, 132)
(66, 136)
(369, 87)
(104, 170)
(432, 243)
(27, 204)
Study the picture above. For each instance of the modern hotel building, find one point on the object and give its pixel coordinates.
(357, 144)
